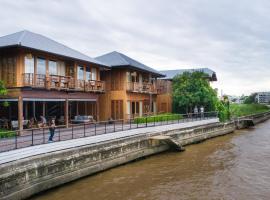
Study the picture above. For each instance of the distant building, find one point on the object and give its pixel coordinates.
(263, 97)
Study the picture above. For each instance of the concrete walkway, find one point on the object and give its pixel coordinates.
(17, 154)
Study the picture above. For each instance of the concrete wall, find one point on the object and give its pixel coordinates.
(23, 178)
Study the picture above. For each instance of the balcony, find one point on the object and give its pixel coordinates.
(62, 83)
(141, 87)
(164, 87)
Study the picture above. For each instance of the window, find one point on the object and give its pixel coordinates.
(29, 64)
(80, 73)
(52, 67)
(88, 73)
(41, 66)
(94, 74)
(61, 68)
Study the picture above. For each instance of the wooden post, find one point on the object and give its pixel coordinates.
(20, 113)
(66, 112)
(77, 108)
(43, 109)
(34, 109)
(85, 107)
(97, 108)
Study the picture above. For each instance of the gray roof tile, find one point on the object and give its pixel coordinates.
(39, 42)
(170, 74)
(116, 59)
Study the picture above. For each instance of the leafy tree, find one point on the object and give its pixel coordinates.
(3, 91)
(250, 99)
(193, 89)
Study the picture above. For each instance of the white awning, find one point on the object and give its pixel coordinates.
(8, 100)
(42, 100)
(91, 100)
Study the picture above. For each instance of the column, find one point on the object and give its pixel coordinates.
(20, 113)
(66, 112)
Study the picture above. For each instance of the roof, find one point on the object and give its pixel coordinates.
(170, 74)
(39, 42)
(116, 59)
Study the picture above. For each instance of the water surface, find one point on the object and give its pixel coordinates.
(235, 166)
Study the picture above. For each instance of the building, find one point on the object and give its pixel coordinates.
(131, 88)
(47, 78)
(263, 97)
(164, 99)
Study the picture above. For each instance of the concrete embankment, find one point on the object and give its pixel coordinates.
(29, 175)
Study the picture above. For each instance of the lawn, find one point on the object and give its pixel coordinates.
(158, 118)
(238, 110)
(6, 133)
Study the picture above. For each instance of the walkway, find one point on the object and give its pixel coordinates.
(17, 154)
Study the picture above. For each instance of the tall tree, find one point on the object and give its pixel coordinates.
(193, 89)
(3, 90)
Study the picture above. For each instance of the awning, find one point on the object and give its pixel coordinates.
(42, 100)
(8, 100)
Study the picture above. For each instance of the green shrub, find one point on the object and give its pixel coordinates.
(6, 133)
(158, 118)
(238, 110)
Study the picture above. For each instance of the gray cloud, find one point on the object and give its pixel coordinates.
(231, 37)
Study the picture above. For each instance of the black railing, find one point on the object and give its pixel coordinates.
(38, 136)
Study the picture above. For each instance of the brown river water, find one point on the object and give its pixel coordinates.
(235, 166)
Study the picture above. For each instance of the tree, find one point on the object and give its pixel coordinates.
(193, 89)
(250, 99)
(3, 91)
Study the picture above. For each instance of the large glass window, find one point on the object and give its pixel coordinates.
(41, 66)
(94, 74)
(61, 68)
(88, 73)
(80, 73)
(29, 64)
(52, 67)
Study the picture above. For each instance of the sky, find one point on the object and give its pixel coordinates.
(228, 36)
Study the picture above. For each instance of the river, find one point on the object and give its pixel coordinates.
(235, 166)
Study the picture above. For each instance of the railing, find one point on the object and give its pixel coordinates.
(62, 83)
(31, 137)
(141, 87)
(164, 86)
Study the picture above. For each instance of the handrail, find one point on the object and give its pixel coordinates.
(37, 136)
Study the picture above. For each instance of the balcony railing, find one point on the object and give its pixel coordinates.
(164, 86)
(141, 87)
(62, 83)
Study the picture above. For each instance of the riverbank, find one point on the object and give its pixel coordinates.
(241, 110)
(29, 175)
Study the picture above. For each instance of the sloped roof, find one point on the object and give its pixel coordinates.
(116, 59)
(170, 74)
(39, 42)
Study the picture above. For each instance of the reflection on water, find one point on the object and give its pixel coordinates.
(235, 166)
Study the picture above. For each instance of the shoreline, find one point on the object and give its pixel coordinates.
(25, 177)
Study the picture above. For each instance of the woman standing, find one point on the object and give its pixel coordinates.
(51, 129)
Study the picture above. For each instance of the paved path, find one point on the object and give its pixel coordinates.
(17, 154)
(75, 131)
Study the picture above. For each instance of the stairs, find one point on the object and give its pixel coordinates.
(171, 142)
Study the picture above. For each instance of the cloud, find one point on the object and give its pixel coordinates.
(231, 37)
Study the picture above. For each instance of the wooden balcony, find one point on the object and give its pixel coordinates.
(164, 86)
(62, 83)
(141, 87)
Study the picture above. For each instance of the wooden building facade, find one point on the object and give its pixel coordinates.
(46, 78)
(131, 88)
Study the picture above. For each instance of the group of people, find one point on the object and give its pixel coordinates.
(197, 111)
(42, 124)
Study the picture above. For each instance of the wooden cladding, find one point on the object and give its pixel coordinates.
(117, 109)
(8, 70)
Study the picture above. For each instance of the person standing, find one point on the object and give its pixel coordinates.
(51, 129)
(202, 111)
(196, 111)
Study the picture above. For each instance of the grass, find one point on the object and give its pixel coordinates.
(6, 133)
(158, 118)
(239, 110)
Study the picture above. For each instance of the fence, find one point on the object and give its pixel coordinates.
(31, 137)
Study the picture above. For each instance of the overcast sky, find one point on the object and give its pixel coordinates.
(231, 37)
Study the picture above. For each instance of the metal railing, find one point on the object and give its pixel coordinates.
(38, 136)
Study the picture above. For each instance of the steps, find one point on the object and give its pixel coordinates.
(171, 142)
